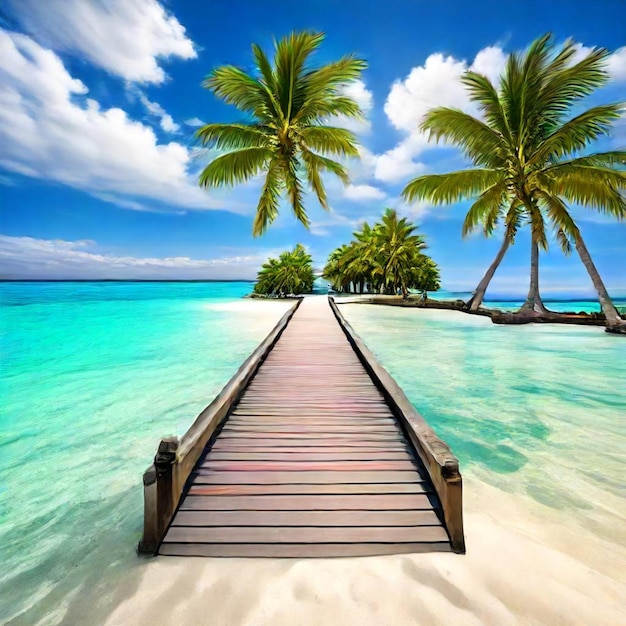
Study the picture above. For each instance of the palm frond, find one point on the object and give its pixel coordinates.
(475, 138)
(267, 208)
(234, 136)
(337, 141)
(593, 187)
(295, 192)
(320, 162)
(560, 217)
(577, 133)
(236, 87)
(492, 197)
(451, 187)
(597, 159)
(483, 92)
(234, 167)
(291, 55)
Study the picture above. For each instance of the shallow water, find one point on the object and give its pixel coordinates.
(536, 410)
(94, 374)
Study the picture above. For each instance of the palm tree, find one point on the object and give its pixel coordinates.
(525, 150)
(396, 249)
(387, 256)
(291, 273)
(287, 137)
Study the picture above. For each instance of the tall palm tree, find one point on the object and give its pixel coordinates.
(526, 150)
(287, 105)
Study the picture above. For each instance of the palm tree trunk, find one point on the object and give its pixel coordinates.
(534, 304)
(613, 318)
(479, 293)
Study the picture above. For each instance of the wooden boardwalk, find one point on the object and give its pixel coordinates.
(310, 462)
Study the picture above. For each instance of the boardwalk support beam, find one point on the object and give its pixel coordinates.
(441, 464)
(165, 480)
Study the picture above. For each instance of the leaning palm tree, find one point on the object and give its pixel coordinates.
(288, 105)
(527, 152)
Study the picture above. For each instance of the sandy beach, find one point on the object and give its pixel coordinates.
(525, 564)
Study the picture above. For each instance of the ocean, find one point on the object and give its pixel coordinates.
(94, 374)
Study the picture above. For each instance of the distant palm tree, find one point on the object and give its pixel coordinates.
(526, 151)
(396, 249)
(387, 257)
(289, 105)
(290, 273)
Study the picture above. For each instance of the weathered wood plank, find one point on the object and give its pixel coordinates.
(299, 550)
(308, 534)
(307, 518)
(307, 457)
(315, 489)
(365, 502)
(275, 465)
(216, 477)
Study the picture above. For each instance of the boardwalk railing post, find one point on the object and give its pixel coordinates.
(160, 499)
(150, 539)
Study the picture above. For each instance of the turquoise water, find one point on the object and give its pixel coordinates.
(563, 304)
(536, 410)
(93, 375)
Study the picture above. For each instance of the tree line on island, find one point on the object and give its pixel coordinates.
(386, 258)
(529, 148)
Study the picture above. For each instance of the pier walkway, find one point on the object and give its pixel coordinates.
(310, 457)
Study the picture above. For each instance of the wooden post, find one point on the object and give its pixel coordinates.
(150, 539)
(160, 501)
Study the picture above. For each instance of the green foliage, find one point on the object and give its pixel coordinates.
(526, 146)
(386, 257)
(289, 102)
(290, 273)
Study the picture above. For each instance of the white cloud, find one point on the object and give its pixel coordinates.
(363, 192)
(27, 257)
(397, 164)
(617, 64)
(434, 84)
(125, 37)
(490, 61)
(194, 121)
(166, 121)
(50, 131)
(358, 91)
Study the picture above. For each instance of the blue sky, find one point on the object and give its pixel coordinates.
(99, 101)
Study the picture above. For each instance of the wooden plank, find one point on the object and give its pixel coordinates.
(214, 477)
(375, 502)
(334, 489)
(302, 427)
(307, 518)
(228, 435)
(298, 550)
(308, 534)
(307, 457)
(252, 443)
(275, 465)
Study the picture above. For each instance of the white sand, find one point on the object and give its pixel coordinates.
(526, 564)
